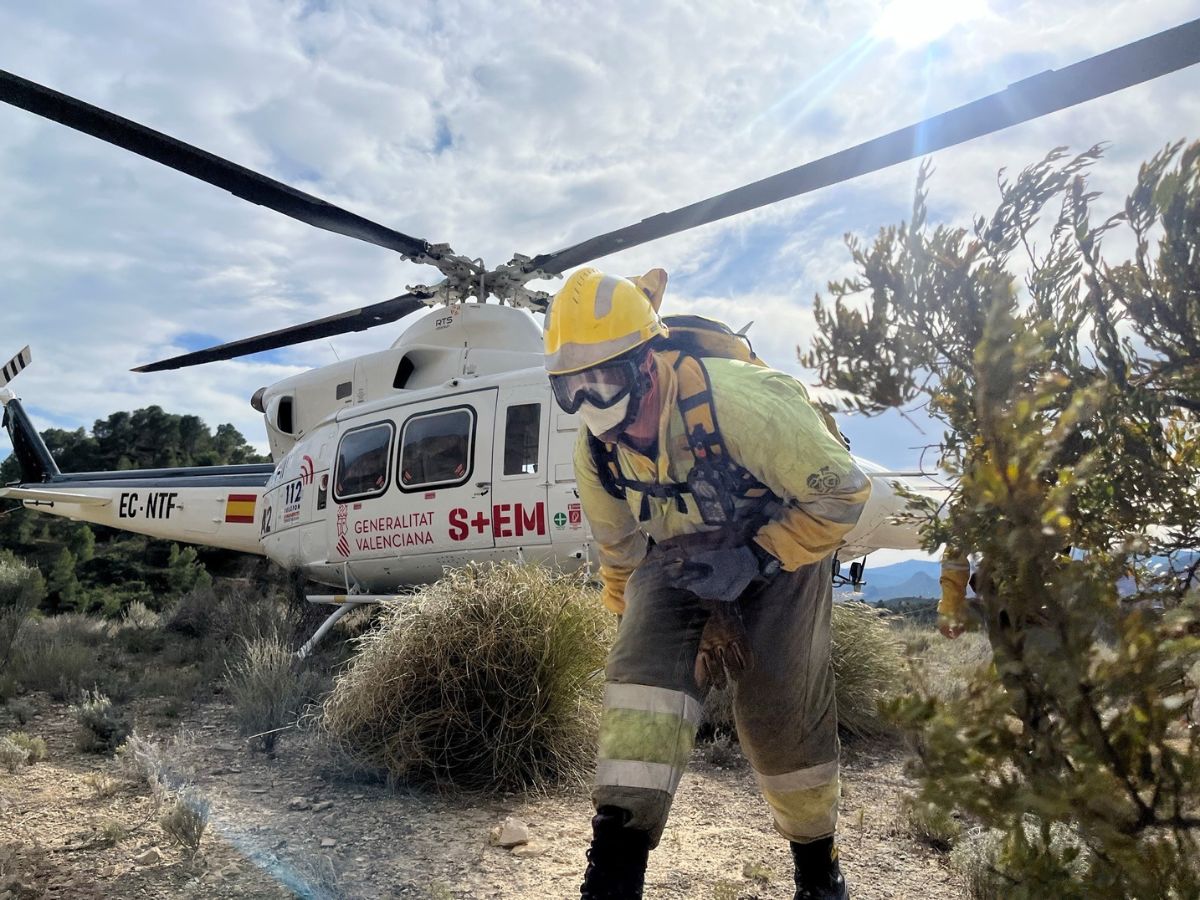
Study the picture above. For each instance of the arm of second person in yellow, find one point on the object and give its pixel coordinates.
(621, 544)
(774, 431)
(952, 609)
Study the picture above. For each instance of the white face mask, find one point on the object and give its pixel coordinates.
(601, 421)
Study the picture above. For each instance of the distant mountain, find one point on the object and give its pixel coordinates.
(912, 578)
(919, 584)
(897, 573)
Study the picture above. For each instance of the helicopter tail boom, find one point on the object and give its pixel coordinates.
(34, 458)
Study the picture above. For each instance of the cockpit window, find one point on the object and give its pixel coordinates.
(363, 463)
(436, 449)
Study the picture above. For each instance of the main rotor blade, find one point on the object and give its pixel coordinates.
(1143, 60)
(238, 180)
(354, 320)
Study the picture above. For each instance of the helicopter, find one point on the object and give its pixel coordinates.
(447, 447)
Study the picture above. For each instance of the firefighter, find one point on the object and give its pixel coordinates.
(717, 495)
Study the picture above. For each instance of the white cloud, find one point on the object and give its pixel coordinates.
(498, 128)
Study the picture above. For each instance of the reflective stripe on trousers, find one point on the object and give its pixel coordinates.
(785, 710)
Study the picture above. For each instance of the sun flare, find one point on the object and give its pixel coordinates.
(913, 23)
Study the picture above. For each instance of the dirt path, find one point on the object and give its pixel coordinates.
(290, 825)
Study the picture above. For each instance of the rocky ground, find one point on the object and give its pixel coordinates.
(73, 826)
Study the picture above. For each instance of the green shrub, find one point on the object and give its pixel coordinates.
(22, 588)
(1002, 866)
(101, 729)
(34, 746)
(267, 686)
(489, 679)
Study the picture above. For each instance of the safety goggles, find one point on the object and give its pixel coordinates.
(602, 386)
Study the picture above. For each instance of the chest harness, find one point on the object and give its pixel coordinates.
(725, 493)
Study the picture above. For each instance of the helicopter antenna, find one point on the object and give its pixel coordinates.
(335, 353)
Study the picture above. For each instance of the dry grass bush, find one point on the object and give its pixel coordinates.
(722, 751)
(943, 667)
(58, 654)
(267, 686)
(193, 613)
(101, 729)
(868, 661)
(102, 785)
(21, 710)
(184, 819)
(161, 766)
(716, 722)
(12, 756)
(488, 680)
(228, 611)
(139, 615)
(34, 746)
(21, 590)
(929, 824)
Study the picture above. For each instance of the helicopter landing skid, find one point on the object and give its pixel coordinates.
(344, 603)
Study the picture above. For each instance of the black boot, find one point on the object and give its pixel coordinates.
(617, 859)
(818, 875)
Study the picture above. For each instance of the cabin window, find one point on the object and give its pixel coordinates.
(522, 426)
(436, 449)
(344, 390)
(363, 461)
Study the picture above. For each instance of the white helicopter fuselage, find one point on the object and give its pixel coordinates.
(446, 449)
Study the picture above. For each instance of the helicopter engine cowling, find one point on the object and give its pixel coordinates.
(460, 341)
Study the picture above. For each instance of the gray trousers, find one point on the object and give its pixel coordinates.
(784, 708)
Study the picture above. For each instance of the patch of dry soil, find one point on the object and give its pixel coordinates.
(366, 840)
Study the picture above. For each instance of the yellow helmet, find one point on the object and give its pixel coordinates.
(597, 317)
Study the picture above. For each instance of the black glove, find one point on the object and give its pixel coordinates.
(719, 574)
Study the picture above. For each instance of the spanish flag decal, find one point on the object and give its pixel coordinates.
(239, 508)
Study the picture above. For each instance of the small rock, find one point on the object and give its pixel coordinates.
(527, 851)
(225, 748)
(148, 857)
(299, 803)
(322, 806)
(510, 833)
(225, 770)
(258, 790)
(327, 843)
(231, 871)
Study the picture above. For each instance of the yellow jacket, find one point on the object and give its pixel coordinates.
(769, 427)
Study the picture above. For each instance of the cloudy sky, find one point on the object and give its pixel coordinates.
(499, 128)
